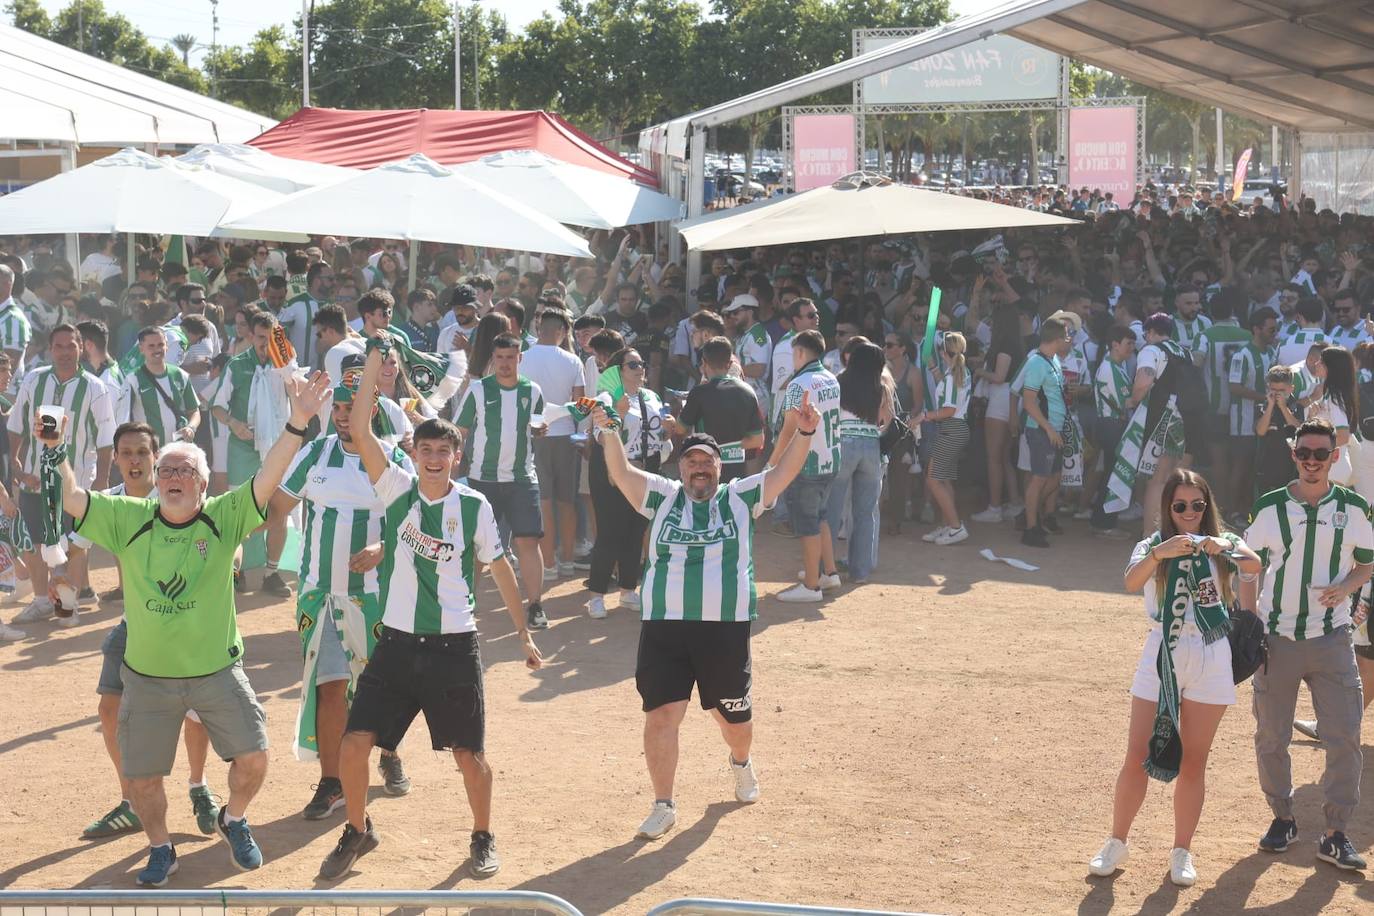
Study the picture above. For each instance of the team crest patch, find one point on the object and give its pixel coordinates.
(305, 623)
(451, 525)
(202, 547)
(1339, 519)
(422, 376)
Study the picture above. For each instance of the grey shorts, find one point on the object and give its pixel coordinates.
(151, 711)
(113, 651)
(1045, 459)
(514, 503)
(555, 464)
(806, 499)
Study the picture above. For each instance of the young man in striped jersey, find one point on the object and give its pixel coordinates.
(298, 314)
(1317, 544)
(90, 419)
(1219, 344)
(1311, 331)
(698, 596)
(495, 414)
(337, 611)
(1189, 322)
(1247, 387)
(15, 329)
(434, 532)
(158, 394)
(1350, 329)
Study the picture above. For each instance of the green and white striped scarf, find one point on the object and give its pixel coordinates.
(1138, 455)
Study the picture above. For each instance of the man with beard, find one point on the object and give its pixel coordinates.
(699, 597)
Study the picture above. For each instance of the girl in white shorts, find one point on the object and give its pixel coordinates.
(1193, 565)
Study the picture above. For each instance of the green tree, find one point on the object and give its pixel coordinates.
(264, 76)
(184, 42)
(382, 54)
(30, 16)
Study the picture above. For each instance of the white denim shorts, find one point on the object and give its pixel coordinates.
(1203, 671)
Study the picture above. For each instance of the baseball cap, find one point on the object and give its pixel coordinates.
(462, 294)
(703, 441)
(741, 301)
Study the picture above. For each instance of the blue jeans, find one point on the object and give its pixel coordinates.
(858, 481)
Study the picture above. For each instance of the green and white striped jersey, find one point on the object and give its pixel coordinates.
(1248, 367)
(948, 395)
(1293, 348)
(1111, 390)
(755, 348)
(342, 514)
(296, 319)
(1304, 549)
(1220, 342)
(15, 332)
(90, 423)
(824, 456)
(701, 554)
(499, 422)
(1350, 338)
(1189, 333)
(144, 403)
(429, 552)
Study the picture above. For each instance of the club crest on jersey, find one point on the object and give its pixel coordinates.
(451, 526)
(1339, 519)
(202, 548)
(422, 377)
(422, 545)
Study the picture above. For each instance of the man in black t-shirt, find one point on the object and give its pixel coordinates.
(725, 407)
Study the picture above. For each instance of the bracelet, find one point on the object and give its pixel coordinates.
(294, 431)
(812, 433)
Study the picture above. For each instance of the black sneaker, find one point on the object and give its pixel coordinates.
(1340, 852)
(582, 561)
(1281, 833)
(86, 594)
(1019, 523)
(1051, 524)
(240, 585)
(328, 798)
(485, 861)
(394, 778)
(1035, 537)
(353, 845)
(112, 596)
(535, 618)
(275, 585)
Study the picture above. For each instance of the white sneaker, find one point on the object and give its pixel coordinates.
(952, 536)
(38, 609)
(1083, 515)
(630, 601)
(70, 620)
(1113, 855)
(800, 594)
(930, 537)
(988, 516)
(746, 780)
(1011, 510)
(550, 573)
(596, 608)
(660, 820)
(1134, 513)
(8, 633)
(567, 569)
(1181, 870)
(583, 548)
(826, 582)
(23, 588)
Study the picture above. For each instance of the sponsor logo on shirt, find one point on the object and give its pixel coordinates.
(672, 534)
(172, 588)
(422, 545)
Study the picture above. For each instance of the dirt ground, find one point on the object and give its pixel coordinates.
(944, 740)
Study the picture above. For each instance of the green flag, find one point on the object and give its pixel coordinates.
(932, 320)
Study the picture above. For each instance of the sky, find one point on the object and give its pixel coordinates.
(239, 20)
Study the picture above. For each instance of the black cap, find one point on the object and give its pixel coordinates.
(700, 440)
(462, 295)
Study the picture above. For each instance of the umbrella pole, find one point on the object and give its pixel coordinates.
(414, 261)
(130, 256)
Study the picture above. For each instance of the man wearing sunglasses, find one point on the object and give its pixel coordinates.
(1317, 544)
(1350, 329)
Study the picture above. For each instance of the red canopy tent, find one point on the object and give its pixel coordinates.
(363, 139)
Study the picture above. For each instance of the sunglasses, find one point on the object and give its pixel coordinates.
(808, 315)
(1181, 506)
(200, 301)
(634, 364)
(1303, 453)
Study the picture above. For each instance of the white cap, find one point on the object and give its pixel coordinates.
(742, 301)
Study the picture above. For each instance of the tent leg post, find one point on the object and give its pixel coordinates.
(696, 181)
(413, 257)
(130, 256)
(73, 244)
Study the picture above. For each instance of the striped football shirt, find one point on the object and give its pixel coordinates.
(90, 424)
(499, 421)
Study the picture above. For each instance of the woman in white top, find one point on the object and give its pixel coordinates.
(1339, 402)
(1005, 354)
(1193, 562)
(950, 415)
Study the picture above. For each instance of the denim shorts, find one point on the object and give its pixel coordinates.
(806, 499)
(1045, 459)
(515, 504)
(111, 683)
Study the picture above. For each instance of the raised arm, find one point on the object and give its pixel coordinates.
(632, 482)
(305, 397)
(803, 419)
(360, 419)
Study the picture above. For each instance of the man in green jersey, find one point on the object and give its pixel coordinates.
(184, 652)
(698, 596)
(158, 394)
(434, 533)
(1218, 344)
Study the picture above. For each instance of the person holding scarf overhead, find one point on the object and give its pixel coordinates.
(1183, 683)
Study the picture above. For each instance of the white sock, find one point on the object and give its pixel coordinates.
(195, 785)
(166, 845)
(230, 819)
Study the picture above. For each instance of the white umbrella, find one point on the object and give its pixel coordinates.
(572, 194)
(255, 166)
(416, 200)
(853, 207)
(131, 191)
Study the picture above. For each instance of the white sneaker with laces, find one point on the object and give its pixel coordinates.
(38, 609)
(567, 569)
(746, 780)
(660, 820)
(1181, 869)
(952, 536)
(596, 608)
(70, 620)
(800, 594)
(550, 573)
(1113, 855)
(9, 633)
(825, 583)
(583, 548)
(988, 516)
(1011, 510)
(930, 537)
(630, 601)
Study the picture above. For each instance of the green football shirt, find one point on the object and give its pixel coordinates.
(178, 579)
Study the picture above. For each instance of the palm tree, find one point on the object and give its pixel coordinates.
(184, 43)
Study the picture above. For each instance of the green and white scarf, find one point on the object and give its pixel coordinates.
(50, 488)
(1183, 586)
(1137, 455)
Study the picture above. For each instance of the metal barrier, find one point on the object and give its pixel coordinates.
(701, 906)
(131, 903)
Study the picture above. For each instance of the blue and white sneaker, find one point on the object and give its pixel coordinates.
(162, 864)
(1340, 852)
(1282, 831)
(243, 849)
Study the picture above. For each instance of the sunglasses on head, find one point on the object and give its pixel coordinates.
(1180, 506)
(1303, 453)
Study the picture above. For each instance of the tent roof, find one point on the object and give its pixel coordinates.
(364, 139)
(54, 93)
(1303, 64)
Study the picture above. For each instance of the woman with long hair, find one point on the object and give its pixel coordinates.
(1185, 572)
(1339, 403)
(1004, 356)
(866, 408)
(491, 326)
(906, 398)
(950, 414)
(387, 274)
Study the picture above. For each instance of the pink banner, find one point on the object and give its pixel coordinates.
(822, 149)
(1102, 150)
(1242, 169)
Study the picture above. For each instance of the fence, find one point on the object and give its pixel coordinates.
(336, 903)
(700, 906)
